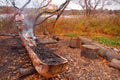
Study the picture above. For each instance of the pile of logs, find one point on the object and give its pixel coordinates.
(109, 54)
(92, 50)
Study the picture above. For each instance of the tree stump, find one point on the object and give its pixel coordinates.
(89, 51)
(75, 42)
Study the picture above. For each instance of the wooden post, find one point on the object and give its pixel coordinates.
(89, 51)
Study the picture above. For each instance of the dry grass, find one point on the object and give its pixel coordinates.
(95, 28)
(91, 27)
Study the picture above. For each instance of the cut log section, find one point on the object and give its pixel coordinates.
(75, 42)
(115, 63)
(104, 51)
(89, 51)
(45, 66)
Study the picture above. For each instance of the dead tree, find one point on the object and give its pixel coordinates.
(39, 66)
(89, 6)
(117, 1)
(42, 10)
(57, 12)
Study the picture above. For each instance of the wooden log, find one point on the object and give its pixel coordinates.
(89, 51)
(43, 68)
(26, 71)
(53, 49)
(109, 54)
(8, 34)
(75, 42)
(104, 51)
(115, 63)
(47, 41)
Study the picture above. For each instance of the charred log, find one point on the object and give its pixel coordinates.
(46, 55)
(44, 60)
(27, 71)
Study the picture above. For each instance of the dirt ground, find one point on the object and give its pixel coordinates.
(13, 56)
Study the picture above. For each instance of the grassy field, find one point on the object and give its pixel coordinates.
(105, 30)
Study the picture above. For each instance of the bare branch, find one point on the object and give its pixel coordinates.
(13, 3)
(44, 5)
(25, 4)
(67, 2)
(52, 13)
(96, 4)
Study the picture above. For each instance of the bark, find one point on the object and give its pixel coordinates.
(104, 51)
(115, 63)
(89, 51)
(109, 54)
(26, 71)
(75, 42)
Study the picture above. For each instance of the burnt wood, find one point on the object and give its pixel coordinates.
(26, 71)
(45, 61)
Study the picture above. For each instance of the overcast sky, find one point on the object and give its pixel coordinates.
(70, 6)
(75, 6)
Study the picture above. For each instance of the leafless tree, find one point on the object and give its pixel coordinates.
(117, 1)
(91, 5)
(41, 10)
(41, 7)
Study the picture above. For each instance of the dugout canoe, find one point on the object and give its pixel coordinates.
(45, 69)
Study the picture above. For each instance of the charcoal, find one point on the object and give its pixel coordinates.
(46, 55)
